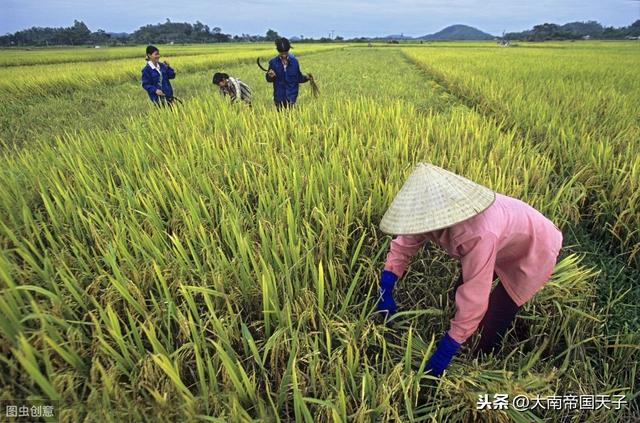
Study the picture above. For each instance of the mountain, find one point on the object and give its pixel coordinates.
(397, 37)
(458, 32)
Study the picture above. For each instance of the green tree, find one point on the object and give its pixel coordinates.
(634, 29)
(79, 33)
(100, 37)
(271, 35)
(545, 31)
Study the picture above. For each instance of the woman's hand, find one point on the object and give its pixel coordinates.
(386, 303)
(447, 348)
(159, 92)
(271, 73)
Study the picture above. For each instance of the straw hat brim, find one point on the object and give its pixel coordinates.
(433, 198)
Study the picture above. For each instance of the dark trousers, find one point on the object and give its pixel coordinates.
(165, 102)
(499, 317)
(284, 104)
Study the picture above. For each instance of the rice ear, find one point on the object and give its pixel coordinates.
(314, 87)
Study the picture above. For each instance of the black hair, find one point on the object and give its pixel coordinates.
(151, 49)
(282, 45)
(219, 76)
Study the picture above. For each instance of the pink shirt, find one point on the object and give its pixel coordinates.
(510, 237)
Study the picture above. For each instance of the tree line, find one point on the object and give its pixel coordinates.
(576, 30)
(79, 34)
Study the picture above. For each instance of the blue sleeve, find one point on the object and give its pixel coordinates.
(147, 81)
(301, 78)
(170, 72)
(267, 76)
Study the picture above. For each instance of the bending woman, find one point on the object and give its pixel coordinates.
(492, 235)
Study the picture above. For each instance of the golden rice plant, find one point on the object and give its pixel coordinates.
(579, 105)
(227, 269)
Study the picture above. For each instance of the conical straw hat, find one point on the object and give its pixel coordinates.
(433, 198)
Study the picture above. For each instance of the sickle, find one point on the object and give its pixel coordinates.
(261, 67)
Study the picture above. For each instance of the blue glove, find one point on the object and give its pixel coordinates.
(447, 348)
(386, 303)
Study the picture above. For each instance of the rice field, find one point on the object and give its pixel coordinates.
(220, 263)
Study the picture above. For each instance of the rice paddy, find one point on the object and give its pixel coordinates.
(215, 262)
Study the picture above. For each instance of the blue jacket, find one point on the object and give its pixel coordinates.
(285, 84)
(151, 81)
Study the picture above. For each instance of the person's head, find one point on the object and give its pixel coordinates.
(153, 53)
(220, 79)
(283, 46)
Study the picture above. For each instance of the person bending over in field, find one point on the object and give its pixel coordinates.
(155, 78)
(492, 235)
(233, 87)
(284, 73)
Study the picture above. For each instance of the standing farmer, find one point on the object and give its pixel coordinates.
(156, 76)
(493, 236)
(284, 73)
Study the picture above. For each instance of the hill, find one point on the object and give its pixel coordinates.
(458, 32)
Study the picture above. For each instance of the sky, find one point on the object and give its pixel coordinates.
(346, 18)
